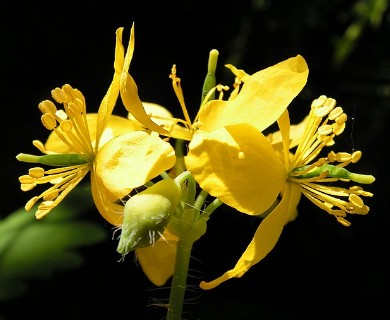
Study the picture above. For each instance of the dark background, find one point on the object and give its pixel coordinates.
(319, 269)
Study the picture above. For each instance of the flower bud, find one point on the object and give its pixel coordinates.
(146, 215)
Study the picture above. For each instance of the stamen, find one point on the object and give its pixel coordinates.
(59, 95)
(65, 180)
(26, 179)
(309, 175)
(325, 130)
(51, 195)
(343, 221)
(336, 112)
(47, 106)
(49, 121)
(341, 119)
(39, 145)
(36, 172)
(356, 200)
(66, 126)
(179, 93)
(356, 156)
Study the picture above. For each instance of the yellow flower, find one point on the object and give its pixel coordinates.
(119, 156)
(218, 158)
(214, 152)
(304, 172)
(117, 152)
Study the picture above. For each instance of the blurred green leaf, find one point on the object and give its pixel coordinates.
(38, 249)
(366, 13)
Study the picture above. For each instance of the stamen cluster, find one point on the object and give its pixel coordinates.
(326, 121)
(70, 126)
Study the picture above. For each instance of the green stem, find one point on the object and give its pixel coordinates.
(179, 280)
(200, 199)
(212, 206)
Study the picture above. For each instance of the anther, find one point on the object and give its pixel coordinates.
(66, 126)
(330, 102)
(340, 120)
(325, 130)
(72, 110)
(324, 109)
(356, 156)
(49, 121)
(356, 200)
(51, 195)
(363, 210)
(343, 221)
(39, 145)
(59, 95)
(26, 179)
(47, 106)
(336, 112)
(332, 156)
(30, 203)
(319, 102)
(343, 157)
(36, 172)
(27, 186)
(338, 129)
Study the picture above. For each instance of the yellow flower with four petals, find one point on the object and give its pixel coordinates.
(117, 152)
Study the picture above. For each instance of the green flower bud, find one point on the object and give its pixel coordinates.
(147, 214)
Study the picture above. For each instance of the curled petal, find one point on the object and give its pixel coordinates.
(109, 100)
(264, 240)
(130, 160)
(129, 92)
(158, 261)
(237, 165)
(264, 96)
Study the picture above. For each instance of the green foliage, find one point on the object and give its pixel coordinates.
(38, 249)
(366, 13)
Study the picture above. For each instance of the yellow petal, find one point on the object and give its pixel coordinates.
(130, 160)
(262, 99)
(129, 92)
(237, 165)
(158, 261)
(296, 133)
(110, 210)
(109, 100)
(264, 240)
(295, 197)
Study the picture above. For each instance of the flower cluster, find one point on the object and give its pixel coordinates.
(228, 157)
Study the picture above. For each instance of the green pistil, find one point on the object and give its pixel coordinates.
(57, 160)
(210, 81)
(335, 172)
